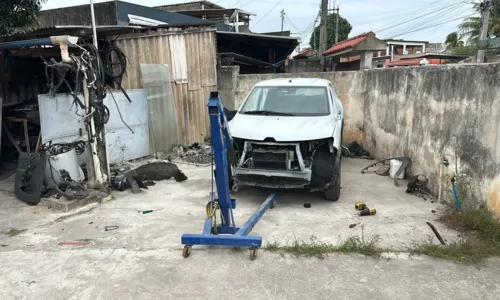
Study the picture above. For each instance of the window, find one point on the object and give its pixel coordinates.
(294, 101)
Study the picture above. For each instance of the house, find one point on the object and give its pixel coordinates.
(227, 19)
(404, 47)
(355, 53)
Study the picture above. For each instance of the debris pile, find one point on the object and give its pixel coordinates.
(196, 153)
(354, 149)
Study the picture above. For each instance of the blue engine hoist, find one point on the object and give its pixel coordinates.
(226, 233)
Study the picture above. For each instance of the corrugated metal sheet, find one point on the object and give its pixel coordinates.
(190, 99)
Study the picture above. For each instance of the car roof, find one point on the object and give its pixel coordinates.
(294, 82)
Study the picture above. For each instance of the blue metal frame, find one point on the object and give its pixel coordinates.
(227, 233)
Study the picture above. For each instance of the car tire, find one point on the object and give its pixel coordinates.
(332, 192)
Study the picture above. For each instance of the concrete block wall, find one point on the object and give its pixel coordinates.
(427, 113)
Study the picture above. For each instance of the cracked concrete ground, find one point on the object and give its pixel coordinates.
(142, 259)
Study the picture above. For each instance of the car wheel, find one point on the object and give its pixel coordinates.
(332, 192)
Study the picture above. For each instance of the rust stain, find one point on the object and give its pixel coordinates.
(494, 196)
(74, 243)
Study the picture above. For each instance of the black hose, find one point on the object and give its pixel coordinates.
(436, 233)
(108, 63)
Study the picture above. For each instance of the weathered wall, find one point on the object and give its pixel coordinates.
(227, 79)
(426, 113)
(304, 65)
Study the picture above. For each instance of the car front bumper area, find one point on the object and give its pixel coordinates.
(274, 178)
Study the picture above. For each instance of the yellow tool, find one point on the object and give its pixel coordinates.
(360, 205)
(368, 212)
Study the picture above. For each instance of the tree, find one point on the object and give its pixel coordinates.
(331, 21)
(18, 13)
(452, 40)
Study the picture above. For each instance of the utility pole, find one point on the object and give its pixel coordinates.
(483, 34)
(282, 19)
(337, 26)
(323, 32)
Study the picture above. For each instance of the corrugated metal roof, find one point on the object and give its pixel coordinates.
(66, 29)
(349, 43)
(189, 2)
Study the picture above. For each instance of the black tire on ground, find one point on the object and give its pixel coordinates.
(332, 192)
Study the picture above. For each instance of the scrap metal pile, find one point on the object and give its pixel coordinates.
(54, 168)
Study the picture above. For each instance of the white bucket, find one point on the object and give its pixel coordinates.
(395, 165)
(67, 161)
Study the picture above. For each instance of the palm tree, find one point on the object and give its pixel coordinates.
(471, 26)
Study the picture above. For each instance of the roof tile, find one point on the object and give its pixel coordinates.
(349, 43)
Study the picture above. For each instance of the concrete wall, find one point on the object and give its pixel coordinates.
(426, 113)
(304, 65)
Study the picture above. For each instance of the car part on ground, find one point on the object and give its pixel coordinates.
(405, 162)
(29, 177)
(158, 171)
(417, 184)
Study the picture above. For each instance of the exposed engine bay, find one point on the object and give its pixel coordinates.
(285, 164)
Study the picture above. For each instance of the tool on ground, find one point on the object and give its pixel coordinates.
(225, 233)
(360, 206)
(109, 228)
(368, 212)
(149, 211)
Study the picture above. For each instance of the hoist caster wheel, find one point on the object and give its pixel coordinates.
(186, 251)
(272, 205)
(253, 254)
(235, 188)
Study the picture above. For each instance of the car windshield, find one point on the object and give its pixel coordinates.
(287, 101)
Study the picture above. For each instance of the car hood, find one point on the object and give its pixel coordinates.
(282, 129)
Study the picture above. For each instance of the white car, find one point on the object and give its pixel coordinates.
(287, 134)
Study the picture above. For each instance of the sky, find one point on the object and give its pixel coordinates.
(422, 20)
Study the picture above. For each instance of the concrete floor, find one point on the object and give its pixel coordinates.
(142, 259)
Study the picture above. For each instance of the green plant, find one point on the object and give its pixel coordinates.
(18, 13)
(315, 248)
(344, 29)
(481, 229)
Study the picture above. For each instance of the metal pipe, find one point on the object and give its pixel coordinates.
(92, 15)
(53, 40)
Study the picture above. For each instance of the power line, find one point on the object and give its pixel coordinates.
(429, 19)
(293, 25)
(277, 3)
(416, 18)
(431, 26)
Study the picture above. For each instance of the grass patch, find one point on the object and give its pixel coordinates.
(13, 232)
(481, 230)
(315, 248)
